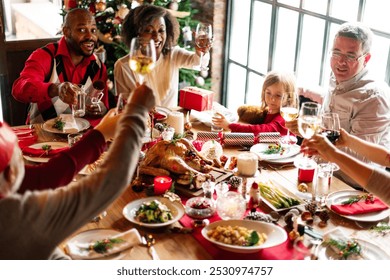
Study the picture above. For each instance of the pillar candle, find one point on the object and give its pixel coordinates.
(162, 184)
(176, 120)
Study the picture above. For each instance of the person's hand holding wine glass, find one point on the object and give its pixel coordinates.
(203, 42)
(289, 110)
(309, 122)
(142, 57)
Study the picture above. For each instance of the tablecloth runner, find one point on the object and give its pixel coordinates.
(283, 251)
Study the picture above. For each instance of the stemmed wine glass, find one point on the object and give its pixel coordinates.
(203, 39)
(142, 57)
(289, 110)
(331, 126)
(309, 121)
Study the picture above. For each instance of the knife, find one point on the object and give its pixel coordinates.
(308, 230)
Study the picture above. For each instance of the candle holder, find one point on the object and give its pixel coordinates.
(162, 184)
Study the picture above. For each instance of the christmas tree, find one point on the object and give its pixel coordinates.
(109, 16)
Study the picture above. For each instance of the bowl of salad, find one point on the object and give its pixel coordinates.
(153, 212)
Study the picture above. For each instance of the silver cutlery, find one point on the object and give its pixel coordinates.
(148, 240)
(279, 167)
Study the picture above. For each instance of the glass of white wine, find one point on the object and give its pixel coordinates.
(203, 39)
(289, 110)
(142, 57)
(309, 123)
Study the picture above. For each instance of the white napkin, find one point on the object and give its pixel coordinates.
(80, 250)
(70, 123)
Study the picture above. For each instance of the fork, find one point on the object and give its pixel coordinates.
(279, 167)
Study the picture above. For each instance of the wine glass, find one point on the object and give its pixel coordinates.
(203, 39)
(331, 126)
(309, 121)
(289, 110)
(142, 57)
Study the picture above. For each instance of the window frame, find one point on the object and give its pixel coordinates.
(329, 20)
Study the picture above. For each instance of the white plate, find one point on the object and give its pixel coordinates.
(54, 145)
(340, 196)
(176, 208)
(282, 160)
(98, 234)
(260, 148)
(369, 252)
(82, 124)
(275, 235)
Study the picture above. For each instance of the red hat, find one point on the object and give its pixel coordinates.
(8, 141)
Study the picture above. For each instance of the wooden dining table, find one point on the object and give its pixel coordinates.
(174, 243)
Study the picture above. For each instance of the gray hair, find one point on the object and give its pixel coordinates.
(357, 31)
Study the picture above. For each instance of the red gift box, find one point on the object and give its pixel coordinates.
(196, 98)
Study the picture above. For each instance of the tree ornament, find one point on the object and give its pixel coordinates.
(199, 81)
(173, 5)
(204, 73)
(100, 5)
(187, 36)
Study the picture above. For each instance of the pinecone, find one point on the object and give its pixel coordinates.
(323, 215)
(159, 126)
(311, 207)
(235, 182)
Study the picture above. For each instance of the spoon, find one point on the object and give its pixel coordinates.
(148, 240)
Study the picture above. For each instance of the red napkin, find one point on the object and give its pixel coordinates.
(360, 207)
(41, 152)
(26, 136)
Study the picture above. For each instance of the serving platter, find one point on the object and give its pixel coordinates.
(176, 208)
(276, 235)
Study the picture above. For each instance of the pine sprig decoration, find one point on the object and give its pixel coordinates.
(346, 248)
(102, 246)
(354, 199)
(382, 228)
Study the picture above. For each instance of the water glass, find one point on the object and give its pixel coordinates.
(79, 108)
(221, 189)
(215, 128)
(321, 186)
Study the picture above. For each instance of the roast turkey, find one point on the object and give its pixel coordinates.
(178, 159)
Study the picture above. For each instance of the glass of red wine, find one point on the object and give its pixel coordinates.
(331, 126)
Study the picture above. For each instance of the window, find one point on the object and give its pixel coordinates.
(294, 35)
(33, 19)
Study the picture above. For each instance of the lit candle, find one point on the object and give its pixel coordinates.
(162, 184)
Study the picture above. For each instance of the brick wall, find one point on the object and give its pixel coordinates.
(214, 11)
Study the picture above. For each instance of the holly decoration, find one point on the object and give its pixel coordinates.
(101, 246)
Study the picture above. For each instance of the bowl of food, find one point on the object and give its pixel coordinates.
(200, 208)
(153, 212)
(244, 236)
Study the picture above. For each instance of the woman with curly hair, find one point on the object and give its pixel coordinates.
(159, 24)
